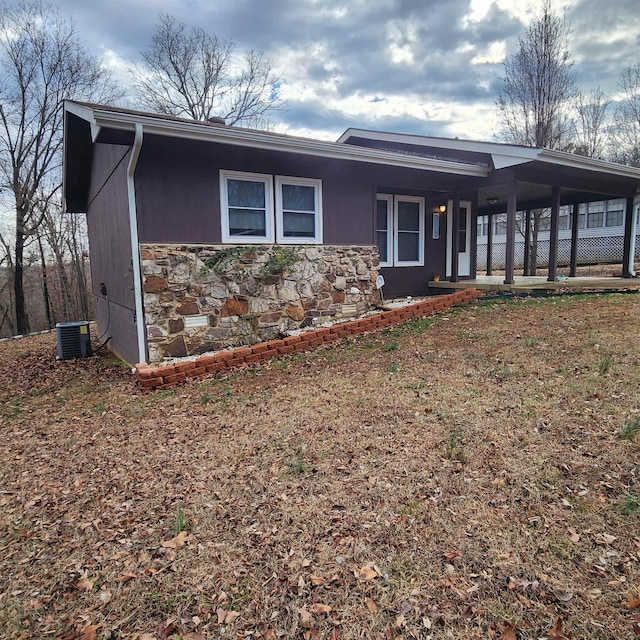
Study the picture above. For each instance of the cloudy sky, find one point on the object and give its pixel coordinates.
(417, 66)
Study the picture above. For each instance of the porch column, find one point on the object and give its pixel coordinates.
(489, 244)
(527, 239)
(512, 204)
(455, 236)
(553, 234)
(473, 267)
(629, 240)
(575, 219)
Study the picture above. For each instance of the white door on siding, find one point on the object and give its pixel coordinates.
(464, 238)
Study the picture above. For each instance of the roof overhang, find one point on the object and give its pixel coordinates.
(502, 155)
(104, 119)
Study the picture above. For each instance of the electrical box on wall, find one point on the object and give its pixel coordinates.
(74, 340)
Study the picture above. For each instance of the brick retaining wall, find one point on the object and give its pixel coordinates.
(162, 377)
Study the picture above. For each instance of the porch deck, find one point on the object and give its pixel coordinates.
(531, 284)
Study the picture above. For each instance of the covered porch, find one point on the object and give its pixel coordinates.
(550, 180)
(540, 284)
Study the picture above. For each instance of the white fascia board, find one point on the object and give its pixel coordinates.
(501, 161)
(86, 113)
(573, 161)
(277, 142)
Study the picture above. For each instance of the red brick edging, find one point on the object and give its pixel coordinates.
(162, 377)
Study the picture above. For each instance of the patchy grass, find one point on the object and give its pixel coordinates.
(488, 487)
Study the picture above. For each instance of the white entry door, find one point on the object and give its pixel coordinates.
(464, 238)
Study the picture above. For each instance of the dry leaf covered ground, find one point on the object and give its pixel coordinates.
(474, 475)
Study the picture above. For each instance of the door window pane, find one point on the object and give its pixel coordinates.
(462, 235)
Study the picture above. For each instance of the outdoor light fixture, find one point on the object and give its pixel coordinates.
(442, 208)
(492, 201)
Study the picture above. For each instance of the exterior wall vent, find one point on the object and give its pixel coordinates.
(74, 340)
(191, 322)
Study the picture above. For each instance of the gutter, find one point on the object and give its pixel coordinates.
(265, 140)
(135, 246)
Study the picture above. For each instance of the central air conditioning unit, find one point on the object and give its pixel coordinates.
(74, 340)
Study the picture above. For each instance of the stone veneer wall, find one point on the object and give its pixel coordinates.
(207, 298)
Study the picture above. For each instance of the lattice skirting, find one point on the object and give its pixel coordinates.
(605, 250)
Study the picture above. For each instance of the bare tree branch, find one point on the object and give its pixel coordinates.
(538, 86)
(196, 75)
(626, 131)
(42, 63)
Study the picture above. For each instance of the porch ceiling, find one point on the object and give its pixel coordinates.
(535, 180)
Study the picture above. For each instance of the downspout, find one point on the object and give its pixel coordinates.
(135, 247)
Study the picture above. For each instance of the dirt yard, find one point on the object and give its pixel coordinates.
(474, 475)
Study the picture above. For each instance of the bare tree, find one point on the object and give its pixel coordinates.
(196, 75)
(535, 99)
(626, 130)
(593, 116)
(42, 63)
(538, 86)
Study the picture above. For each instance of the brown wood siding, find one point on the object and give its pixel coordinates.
(178, 199)
(110, 242)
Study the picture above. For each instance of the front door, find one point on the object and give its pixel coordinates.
(464, 238)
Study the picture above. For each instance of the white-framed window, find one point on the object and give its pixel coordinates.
(298, 210)
(615, 213)
(400, 230)
(384, 229)
(408, 231)
(246, 207)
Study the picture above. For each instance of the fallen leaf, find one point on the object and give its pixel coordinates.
(231, 616)
(306, 619)
(367, 573)
(633, 602)
(177, 542)
(508, 633)
(562, 596)
(371, 605)
(316, 581)
(320, 608)
(450, 555)
(574, 536)
(84, 585)
(334, 635)
(125, 577)
(89, 632)
(556, 633)
(605, 538)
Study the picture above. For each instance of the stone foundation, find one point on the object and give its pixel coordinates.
(165, 376)
(207, 298)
